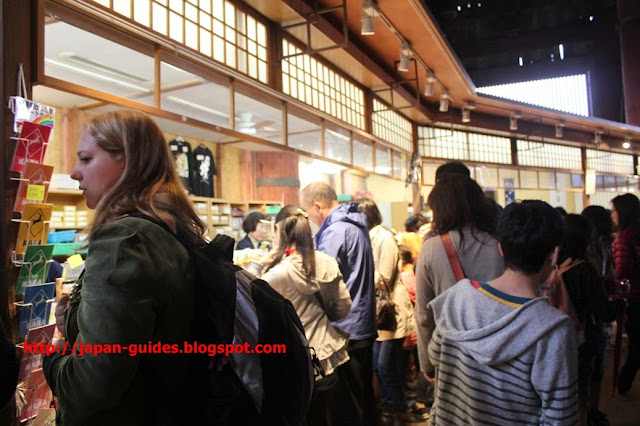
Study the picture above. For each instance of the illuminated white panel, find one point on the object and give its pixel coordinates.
(568, 94)
(609, 162)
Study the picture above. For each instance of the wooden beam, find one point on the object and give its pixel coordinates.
(368, 59)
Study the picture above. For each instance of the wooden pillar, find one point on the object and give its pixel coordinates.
(277, 177)
(16, 47)
(629, 18)
(17, 44)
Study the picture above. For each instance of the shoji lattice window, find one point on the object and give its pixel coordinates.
(443, 143)
(489, 149)
(539, 154)
(391, 126)
(609, 162)
(315, 84)
(456, 145)
(215, 28)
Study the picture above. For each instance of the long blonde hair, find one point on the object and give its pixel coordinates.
(149, 184)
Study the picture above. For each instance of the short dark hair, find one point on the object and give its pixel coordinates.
(528, 231)
(562, 211)
(577, 238)
(628, 208)
(452, 168)
(250, 223)
(405, 254)
(371, 212)
(414, 222)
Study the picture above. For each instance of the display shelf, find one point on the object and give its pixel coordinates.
(220, 215)
(70, 210)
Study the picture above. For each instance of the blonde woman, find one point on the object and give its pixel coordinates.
(137, 286)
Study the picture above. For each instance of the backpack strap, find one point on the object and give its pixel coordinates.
(568, 264)
(453, 257)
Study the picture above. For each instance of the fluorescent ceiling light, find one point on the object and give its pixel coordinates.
(197, 106)
(103, 69)
(96, 75)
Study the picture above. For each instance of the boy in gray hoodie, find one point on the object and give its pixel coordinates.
(503, 355)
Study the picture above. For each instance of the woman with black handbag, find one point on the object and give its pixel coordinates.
(395, 320)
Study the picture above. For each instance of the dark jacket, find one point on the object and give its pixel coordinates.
(9, 367)
(245, 243)
(626, 259)
(345, 237)
(137, 288)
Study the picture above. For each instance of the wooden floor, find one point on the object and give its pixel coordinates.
(623, 410)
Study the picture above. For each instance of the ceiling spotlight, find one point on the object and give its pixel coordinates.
(467, 106)
(445, 97)
(627, 142)
(559, 128)
(430, 84)
(513, 120)
(405, 57)
(367, 14)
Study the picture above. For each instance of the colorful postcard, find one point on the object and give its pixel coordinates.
(38, 395)
(31, 145)
(25, 111)
(34, 226)
(32, 358)
(35, 266)
(35, 312)
(34, 185)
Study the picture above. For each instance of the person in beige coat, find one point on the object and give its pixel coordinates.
(312, 282)
(389, 357)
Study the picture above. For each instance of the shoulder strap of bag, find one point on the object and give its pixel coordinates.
(453, 257)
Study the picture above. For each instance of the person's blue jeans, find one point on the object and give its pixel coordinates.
(390, 364)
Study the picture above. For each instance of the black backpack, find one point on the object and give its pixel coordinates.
(287, 378)
(233, 307)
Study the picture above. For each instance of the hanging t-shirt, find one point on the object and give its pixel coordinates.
(181, 151)
(205, 169)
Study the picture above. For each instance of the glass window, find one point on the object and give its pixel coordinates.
(399, 165)
(383, 160)
(337, 144)
(547, 180)
(88, 60)
(305, 133)
(528, 179)
(362, 153)
(511, 175)
(258, 115)
(194, 97)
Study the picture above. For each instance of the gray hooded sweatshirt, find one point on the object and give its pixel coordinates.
(318, 301)
(501, 359)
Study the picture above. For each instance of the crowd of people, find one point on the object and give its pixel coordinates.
(467, 317)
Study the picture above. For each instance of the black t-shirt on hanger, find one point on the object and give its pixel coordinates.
(204, 170)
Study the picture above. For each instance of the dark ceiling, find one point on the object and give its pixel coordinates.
(490, 36)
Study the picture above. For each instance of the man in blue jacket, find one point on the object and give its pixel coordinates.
(344, 235)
